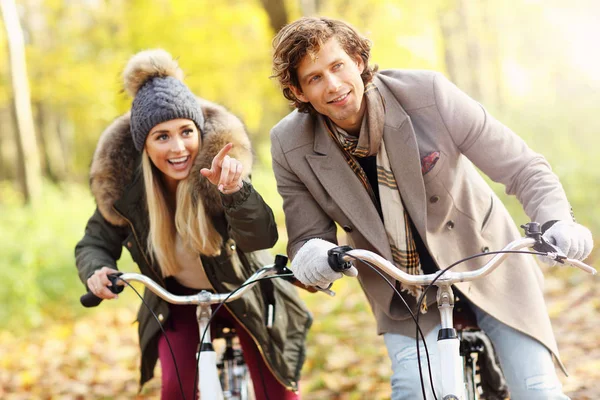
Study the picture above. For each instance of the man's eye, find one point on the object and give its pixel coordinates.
(315, 78)
(338, 66)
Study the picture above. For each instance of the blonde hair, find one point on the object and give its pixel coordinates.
(189, 220)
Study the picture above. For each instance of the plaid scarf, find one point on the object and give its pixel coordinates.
(395, 218)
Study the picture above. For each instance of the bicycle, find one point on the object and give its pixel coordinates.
(458, 368)
(219, 377)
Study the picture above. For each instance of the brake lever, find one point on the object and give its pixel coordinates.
(327, 291)
(534, 230)
(282, 269)
(335, 258)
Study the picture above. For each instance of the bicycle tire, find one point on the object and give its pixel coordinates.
(247, 389)
(483, 379)
(236, 371)
(470, 372)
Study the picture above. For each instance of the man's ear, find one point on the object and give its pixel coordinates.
(360, 64)
(298, 93)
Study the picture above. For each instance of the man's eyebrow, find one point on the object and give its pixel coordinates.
(333, 62)
(306, 76)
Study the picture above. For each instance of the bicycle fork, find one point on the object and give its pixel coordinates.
(209, 386)
(448, 348)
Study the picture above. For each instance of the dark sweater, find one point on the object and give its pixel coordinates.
(369, 165)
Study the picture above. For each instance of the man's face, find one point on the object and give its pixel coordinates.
(331, 82)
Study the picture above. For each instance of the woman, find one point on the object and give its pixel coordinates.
(171, 184)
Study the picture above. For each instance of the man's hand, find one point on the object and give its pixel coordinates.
(573, 239)
(310, 265)
(225, 172)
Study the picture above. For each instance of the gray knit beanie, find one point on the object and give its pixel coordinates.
(155, 81)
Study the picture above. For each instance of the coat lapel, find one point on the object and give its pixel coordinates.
(346, 190)
(401, 144)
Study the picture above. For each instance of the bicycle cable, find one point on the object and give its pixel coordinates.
(203, 333)
(422, 296)
(164, 334)
(415, 319)
(214, 313)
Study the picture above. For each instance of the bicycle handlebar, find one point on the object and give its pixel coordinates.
(340, 257)
(450, 277)
(91, 300)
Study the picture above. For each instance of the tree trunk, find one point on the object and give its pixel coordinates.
(51, 147)
(277, 13)
(8, 158)
(472, 50)
(462, 48)
(31, 182)
(309, 7)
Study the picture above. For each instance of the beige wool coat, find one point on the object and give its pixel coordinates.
(454, 210)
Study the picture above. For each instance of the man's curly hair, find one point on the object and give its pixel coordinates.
(306, 36)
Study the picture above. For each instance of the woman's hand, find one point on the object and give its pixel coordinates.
(98, 283)
(225, 172)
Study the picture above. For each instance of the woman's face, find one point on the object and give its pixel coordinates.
(172, 146)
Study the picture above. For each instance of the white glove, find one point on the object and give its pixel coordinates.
(310, 265)
(573, 239)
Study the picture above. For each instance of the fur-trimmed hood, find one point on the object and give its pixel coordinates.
(115, 160)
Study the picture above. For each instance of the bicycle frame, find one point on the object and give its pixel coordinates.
(448, 341)
(209, 386)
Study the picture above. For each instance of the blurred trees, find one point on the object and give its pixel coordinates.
(27, 150)
(500, 52)
(528, 62)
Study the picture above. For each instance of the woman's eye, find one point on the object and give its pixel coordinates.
(188, 132)
(337, 66)
(164, 136)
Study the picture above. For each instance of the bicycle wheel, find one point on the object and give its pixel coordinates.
(482, 373)
(470, 377)
(233, 371)
(246, 387)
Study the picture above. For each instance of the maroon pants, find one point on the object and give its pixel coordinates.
(182, 331)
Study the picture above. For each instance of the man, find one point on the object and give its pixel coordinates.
(389, 156)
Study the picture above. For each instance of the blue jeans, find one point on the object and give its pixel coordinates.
(527, 365)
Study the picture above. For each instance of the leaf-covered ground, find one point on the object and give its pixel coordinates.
(96, 357)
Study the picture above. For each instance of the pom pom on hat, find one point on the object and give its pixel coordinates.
(146, 65)
(155, 81)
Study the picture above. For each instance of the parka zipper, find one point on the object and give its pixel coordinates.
(157, 278)
(293, 386)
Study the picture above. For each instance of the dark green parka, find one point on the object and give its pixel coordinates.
(243, 219)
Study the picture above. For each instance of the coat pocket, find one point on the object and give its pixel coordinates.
(488, 214)
(231, 268)
(433, 170)
(131, 245)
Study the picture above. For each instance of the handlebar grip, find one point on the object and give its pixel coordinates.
(335, 258)
(91, 300)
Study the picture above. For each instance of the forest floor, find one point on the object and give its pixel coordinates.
(96, 357)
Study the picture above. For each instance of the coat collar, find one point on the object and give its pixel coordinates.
(115, 174)
(346, 189)
(401, 141)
